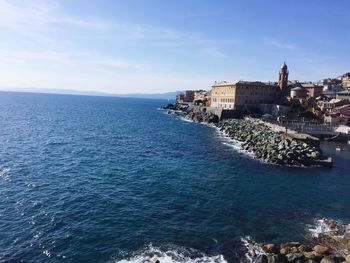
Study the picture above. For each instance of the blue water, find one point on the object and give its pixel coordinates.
(101, 179)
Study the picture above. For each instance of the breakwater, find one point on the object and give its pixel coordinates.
(257, 138)
(269, 146)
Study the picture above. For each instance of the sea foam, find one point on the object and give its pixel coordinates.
(254, 251)
(4, 174)
(172, 255)
(320, 227)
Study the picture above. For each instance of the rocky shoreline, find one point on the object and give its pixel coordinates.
(257, 138)
(330, 245)
(269, 146)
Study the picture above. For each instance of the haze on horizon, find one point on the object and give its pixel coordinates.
(159, 46)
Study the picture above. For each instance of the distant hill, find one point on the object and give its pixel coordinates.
(165, 96)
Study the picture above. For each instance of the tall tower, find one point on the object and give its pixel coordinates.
(283, 76)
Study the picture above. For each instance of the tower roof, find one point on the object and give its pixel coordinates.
(284, 66)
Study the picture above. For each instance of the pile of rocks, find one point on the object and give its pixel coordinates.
(296, 252)
(330, 244)
(268, 146)
(201, 116)
(176, 107)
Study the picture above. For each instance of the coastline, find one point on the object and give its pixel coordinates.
(263, 143)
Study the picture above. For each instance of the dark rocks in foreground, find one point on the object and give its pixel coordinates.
(330, 246)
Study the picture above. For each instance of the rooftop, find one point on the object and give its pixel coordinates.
(229, 83)
(345, 92)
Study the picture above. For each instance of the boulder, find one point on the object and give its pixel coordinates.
(270, 248)
(293, 257)
(321, 249)
(309, 254)
(327, 260)
(303, 248)
(263, 259)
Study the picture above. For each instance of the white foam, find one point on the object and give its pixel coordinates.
(47, 253)
(254, 250)
(174, 255)
(185, 119)
(236, 145)
(320, 227)
(4, 174)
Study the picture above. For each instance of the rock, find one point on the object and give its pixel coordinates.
(321, 249)
(277, 258)
(309, 254)
(327, 260)
(293, 257)
(270, 248)
(303, 248)
(263, 259)
(337, 258)
(347, 258)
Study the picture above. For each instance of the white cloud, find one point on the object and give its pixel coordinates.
(214, 52)
(80, 60)
(279, 44)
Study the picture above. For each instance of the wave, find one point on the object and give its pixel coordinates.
(151, 254)
(236, 145)
(254, 250)
(328, 227)
(321, 226)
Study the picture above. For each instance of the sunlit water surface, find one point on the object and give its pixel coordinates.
(103, 179)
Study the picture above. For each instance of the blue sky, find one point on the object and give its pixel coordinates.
(125, 46)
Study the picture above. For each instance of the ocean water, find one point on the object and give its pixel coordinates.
(102, 179)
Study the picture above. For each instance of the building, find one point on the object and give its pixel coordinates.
(202, 97)
(242, 94)
(186, 97)
(298, 93)
(345, 95)
(283, 77)
(329, 106)
(345, 113)
(345, 80)
(312, 90)
(180, 98)
(305, 90)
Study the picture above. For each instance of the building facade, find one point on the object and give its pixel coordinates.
(242, 94)
(344, 95)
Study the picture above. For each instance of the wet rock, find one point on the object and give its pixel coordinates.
(304, 248)
(270, 248)
(263, 259)
(309, 254)
(327, 260)
(294, 257)
(321, 249)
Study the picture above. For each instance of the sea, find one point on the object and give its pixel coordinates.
(107, 179)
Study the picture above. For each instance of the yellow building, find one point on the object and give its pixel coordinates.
(202, 97)
(237, 95)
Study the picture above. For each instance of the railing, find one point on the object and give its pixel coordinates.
(307, 127)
